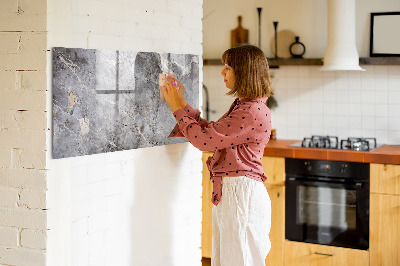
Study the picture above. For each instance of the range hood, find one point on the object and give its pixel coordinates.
(341, 51)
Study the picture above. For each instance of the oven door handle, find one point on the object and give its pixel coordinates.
(357, 185)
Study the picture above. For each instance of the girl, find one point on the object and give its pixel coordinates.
(242, 209)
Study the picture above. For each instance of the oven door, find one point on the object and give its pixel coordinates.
(327, 213)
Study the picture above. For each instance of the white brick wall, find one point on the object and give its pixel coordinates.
(23, 132)
(137, 207)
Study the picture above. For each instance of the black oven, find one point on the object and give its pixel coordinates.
(327, 202)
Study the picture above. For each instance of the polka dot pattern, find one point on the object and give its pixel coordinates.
(238, 139)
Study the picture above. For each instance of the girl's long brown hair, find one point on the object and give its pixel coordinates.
(250, 66)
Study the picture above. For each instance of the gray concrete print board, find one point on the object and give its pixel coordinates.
(109, 100)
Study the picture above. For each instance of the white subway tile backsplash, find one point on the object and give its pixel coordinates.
(394, 110)
(394, 137)
(329, 123)
(292, 83)
(393, 71)
(381, 110)
(342, 81)
(367, 96)
(304, 72)
(394, 123)
(329, 109)
(368, 123)
(382, 123)
(291, 71)
(329, 93)
(303, 82)
(342, 96)
(394, 83)
(380, 71)
(342, 122)
(351, 102)
(381, 136)
(355, 132)
(342, 109)
(394, 97)
(381, 84)
(367, 110)
(355, 96)
(354, 122)
(381, 97)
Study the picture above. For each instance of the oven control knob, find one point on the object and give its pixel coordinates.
(308, 166)
(343, 168)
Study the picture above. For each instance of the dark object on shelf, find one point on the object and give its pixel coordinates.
(239, 35)
(274, 63)
(297, 49)
(271, 103)
(259, 26)
(383, 40)
(380, 61)
(207, 104)
(276, 38)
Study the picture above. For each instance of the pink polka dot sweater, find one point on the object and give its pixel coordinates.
(238, 139)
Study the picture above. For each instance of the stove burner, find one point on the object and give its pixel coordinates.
(328, 142)
(358, 144)
(332, 142)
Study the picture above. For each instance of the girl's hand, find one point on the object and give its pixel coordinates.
(181, 91)
(172, 95)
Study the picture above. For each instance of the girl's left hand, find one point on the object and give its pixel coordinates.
(171, 94)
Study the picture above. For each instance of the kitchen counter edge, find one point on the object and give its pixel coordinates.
(386, 154)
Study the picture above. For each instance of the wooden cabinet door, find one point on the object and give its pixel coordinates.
(384, 236)
(274, 168)
(277, 233)
(304, 254)
(206, 226)
(385, 178)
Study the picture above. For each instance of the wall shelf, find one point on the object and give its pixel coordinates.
(274, 63)
(380, 61)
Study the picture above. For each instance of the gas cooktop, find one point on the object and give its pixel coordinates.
(332, 142)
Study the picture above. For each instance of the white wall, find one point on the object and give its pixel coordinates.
(311, 102)
(305, 18)
(136, 207)
(23, 133)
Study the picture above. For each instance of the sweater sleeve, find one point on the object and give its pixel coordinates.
(193, 113)
(231, 130)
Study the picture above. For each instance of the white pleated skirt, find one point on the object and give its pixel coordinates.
(241, 223)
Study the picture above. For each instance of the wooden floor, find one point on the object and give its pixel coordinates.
(206, 261)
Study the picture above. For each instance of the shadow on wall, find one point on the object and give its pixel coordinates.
(155, 197)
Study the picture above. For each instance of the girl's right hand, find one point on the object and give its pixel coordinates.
(181, 91)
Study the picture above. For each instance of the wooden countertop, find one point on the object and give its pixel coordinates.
(389, 154)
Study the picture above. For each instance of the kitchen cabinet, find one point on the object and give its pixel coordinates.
(274, 168)
(385, 178)
(206, 225)
(305, 254)
(385, 214)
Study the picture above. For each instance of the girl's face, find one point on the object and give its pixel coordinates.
(229, 76)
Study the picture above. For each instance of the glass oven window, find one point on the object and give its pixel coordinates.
(326, 207)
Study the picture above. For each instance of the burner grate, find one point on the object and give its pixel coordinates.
(358, 144)
(327, 142)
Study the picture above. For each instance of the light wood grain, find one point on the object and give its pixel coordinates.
(274, 168)
(277, 233)
(385, 178)
(385, 229)
(206, 233)
(305, 254)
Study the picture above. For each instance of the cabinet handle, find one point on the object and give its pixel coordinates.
(324, 254)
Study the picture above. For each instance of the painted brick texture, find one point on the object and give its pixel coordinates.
(118, 208)
(23, 218)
